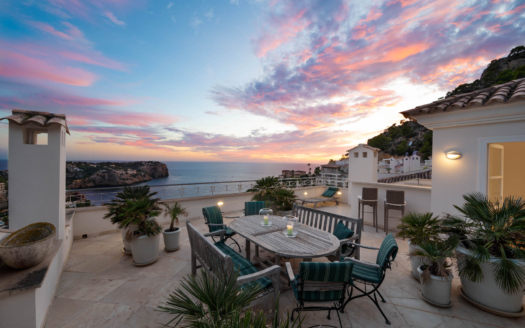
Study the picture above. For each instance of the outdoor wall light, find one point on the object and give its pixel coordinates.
(453, 155)
(220, 203)
(339, 193)
(305, 193)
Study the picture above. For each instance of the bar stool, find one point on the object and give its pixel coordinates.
(395, 200)
(368, 197)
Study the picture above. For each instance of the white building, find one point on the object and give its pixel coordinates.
(411, 163)
(362, 163)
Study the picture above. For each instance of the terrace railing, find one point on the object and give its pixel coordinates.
(100, 196)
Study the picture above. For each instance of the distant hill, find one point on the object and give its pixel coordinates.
(409, 136)
(499, 71)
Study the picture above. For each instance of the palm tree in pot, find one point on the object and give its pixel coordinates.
(435, 275)
(145, 238)
(117, 209)
(264, 189)
(419, 228)
(491, 255)
(172, 234)
(284, 200)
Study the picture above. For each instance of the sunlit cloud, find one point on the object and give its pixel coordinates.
(113, 18)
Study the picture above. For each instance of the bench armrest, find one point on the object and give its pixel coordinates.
(362, 246)
(274, 270)
(372, 265)
(289, 272)
(348, 240)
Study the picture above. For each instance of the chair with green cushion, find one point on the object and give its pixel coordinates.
(253, 208)
(215, 221)
(373, 274)
(319, 282)
(329, 194)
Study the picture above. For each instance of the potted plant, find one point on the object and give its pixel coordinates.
(144, 239)
(418, 228)
(435, 275)
(491, 254)
(117, 208)
(172, 234)
(264, 189)
(284, 200)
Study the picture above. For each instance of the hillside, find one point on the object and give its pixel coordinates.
(407, 137)
(499, 71)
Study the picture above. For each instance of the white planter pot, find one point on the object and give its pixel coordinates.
(437, 290)
(415, 263)
(145, 249)
(127, 245)
(171, 240)
(488, 293)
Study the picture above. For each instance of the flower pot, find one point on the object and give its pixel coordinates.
(437, 290)
(127, 245)
(415, 263)
(145, 249)
(171, 239)
(28, 246)
(488, 293)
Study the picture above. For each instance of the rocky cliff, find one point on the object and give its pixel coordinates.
(85, 175)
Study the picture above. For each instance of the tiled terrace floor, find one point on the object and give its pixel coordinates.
(102, 288)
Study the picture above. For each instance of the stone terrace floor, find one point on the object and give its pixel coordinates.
(100, 287)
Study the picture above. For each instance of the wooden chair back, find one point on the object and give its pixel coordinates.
(369, 194)
(395, 197)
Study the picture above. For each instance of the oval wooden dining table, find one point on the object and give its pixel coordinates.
(309, 243)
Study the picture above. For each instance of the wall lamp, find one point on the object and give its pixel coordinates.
(339, 193)
(220, 203)
(305, 193)
(453, 155)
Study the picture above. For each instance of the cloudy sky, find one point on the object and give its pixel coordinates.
(240, 80)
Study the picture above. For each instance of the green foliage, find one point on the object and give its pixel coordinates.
(491, 229)
(426, 150)
(406, 130)
(331, 161)
(118, 204)
(284, 199)
(436, 252)
(402, 148)
(264, 189)
(207, 301)
(420, 228)
(87, 203)
(380, 141)
(141, 212)
(317, 170)
(173, 211)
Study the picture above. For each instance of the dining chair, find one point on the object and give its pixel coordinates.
(213, 218)
(368, 197)
(395, 200)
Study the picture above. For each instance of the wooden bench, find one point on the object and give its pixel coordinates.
(218, 259)
(327, 221)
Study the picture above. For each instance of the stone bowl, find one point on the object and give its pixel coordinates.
(28, 246)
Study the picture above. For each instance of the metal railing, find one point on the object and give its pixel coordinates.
(100, 196)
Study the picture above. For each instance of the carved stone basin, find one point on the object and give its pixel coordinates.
(28, 246)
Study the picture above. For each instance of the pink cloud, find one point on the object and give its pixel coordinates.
(94, 58)
(113, 18)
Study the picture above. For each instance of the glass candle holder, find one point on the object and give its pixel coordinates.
(290, 218)
(289, 228)
(266, 213)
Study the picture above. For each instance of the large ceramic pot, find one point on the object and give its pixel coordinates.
(127, 245)
(171, 239)
(145, 249)
(415, 262)
(488, 293)
(28, 246)
(437, 290)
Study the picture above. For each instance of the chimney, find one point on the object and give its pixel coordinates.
(37, 169)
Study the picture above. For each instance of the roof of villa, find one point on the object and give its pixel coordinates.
(22, 117)
(366, 146)
(331, 165)
(497, 94)
(419, 175)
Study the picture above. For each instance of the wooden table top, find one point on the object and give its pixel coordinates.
(310, 242)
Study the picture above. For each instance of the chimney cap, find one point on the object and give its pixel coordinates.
(22, 117)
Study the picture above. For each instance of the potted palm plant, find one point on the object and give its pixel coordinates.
(116, 209)
(284, 200)
(172, 234)
(435, 275)
(491, 254)
(418, 228)
(144, 239)
(264, 189)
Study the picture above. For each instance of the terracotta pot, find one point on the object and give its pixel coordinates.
(488, 293)
(171, 239)
(28, 246)
(437, 290)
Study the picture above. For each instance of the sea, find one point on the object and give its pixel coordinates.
(199, 172)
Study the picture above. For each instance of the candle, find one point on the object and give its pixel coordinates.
(265, 220)
(290, 229)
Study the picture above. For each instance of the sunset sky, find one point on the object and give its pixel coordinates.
(240, 80)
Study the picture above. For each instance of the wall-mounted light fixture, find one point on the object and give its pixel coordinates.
(220, 203)
(453, 155)
(305, 193)
(339, 193)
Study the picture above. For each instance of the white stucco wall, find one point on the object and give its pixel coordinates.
(417, 198)
(362, 169)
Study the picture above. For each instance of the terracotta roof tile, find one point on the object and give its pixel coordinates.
(502, 93)
(366, 146)
(22, 117)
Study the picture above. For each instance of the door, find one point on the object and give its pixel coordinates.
(495, 173)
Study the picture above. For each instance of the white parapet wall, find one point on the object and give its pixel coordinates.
(418, 199)
(90, 220)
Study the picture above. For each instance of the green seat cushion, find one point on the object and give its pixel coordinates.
(366, 273)
(262, 282)
(330, 192)
(342, 232)
(333, 295)
(229, 232)
(239, 262)
(213, 215)
(253, 208)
